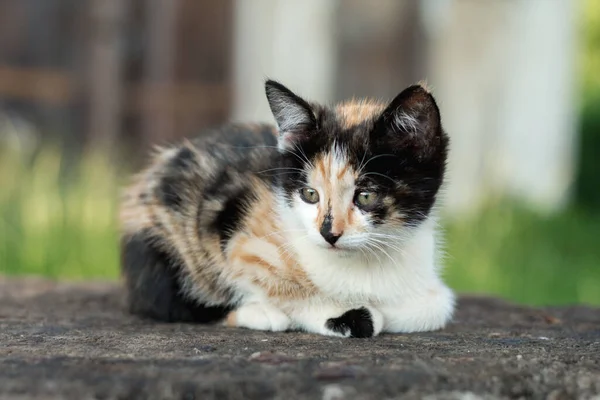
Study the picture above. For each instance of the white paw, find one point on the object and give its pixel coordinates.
(427, 313)
(378, 320)
(259, 316)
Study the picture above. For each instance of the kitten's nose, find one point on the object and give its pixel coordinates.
(326, 231)
(330, 237)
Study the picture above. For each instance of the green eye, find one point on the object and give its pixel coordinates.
(309, 195)
(366, 199)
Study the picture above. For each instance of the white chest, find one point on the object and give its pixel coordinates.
(388, 278)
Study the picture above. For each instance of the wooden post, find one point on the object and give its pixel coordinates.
(105, 73)
(161, 19)
(290, 41)
(381, 49)
(504, 76)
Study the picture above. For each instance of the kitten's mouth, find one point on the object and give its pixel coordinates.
(341, 252)
(331, 247)
(337, 249)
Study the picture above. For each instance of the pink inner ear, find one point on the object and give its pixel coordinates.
(287, 140)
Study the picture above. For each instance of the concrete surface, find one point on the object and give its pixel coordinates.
(76, 341)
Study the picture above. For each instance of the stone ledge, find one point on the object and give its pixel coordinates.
(61, 340)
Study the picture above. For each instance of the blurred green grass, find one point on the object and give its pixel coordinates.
(55, 228)
(68, 231)
(514, 253)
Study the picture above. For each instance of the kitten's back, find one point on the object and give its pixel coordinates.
(178, 213)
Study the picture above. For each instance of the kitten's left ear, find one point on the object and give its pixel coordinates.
(412, 118)
(293, 114)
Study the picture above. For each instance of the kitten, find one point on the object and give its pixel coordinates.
(325, 224)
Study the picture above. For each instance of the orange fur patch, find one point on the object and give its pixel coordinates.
(353, 113)
(231, 319)
(260, 262)
(333, 180)
(342, 171)
(282, 279)
(423, 83)
(350, 216)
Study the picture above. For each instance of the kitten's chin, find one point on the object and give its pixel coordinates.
(344, 253)
(341, 252)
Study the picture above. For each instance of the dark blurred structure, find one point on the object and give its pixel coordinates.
(144, 71)
(128, 73)
(97, 71)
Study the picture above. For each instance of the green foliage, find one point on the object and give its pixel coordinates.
(590, 45)
(517, 254)
(54, 229)
(587, 188)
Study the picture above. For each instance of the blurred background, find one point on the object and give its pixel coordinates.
(87, 86)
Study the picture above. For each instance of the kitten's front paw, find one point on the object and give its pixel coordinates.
(357, 323)
(258, 316)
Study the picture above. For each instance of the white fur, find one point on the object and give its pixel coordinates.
(398, 282)
(406, 122)
(289, 115)
(285, 142)
(262, 316)
(403, 285)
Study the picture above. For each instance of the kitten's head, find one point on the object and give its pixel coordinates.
(362, 173)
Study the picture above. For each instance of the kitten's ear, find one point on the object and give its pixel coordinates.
(293, 115)
(412, 117)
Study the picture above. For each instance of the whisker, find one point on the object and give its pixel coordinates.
(387, 244)
(374, 158)
(362, 161)
(279, 232)
(288, 247)
(282, 169)
(368, 247)
(388, 236)
(378, 174)
(386, 253)
(301, 150)
(233, 146)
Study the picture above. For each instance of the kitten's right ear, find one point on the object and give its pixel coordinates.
(413, 119)
(294, 116)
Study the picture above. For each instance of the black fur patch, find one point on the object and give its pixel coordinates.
(233, 144)
(173, 183)
(185, 158)
(358, 322)
(326, 230)
(169, 191)
(239, 152)
(243, 138)
(153, 286)
(230, 217)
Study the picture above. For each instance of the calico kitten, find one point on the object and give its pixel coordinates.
(325, 224)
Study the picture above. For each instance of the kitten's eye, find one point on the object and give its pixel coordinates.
(366, 199)
(309, 195)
